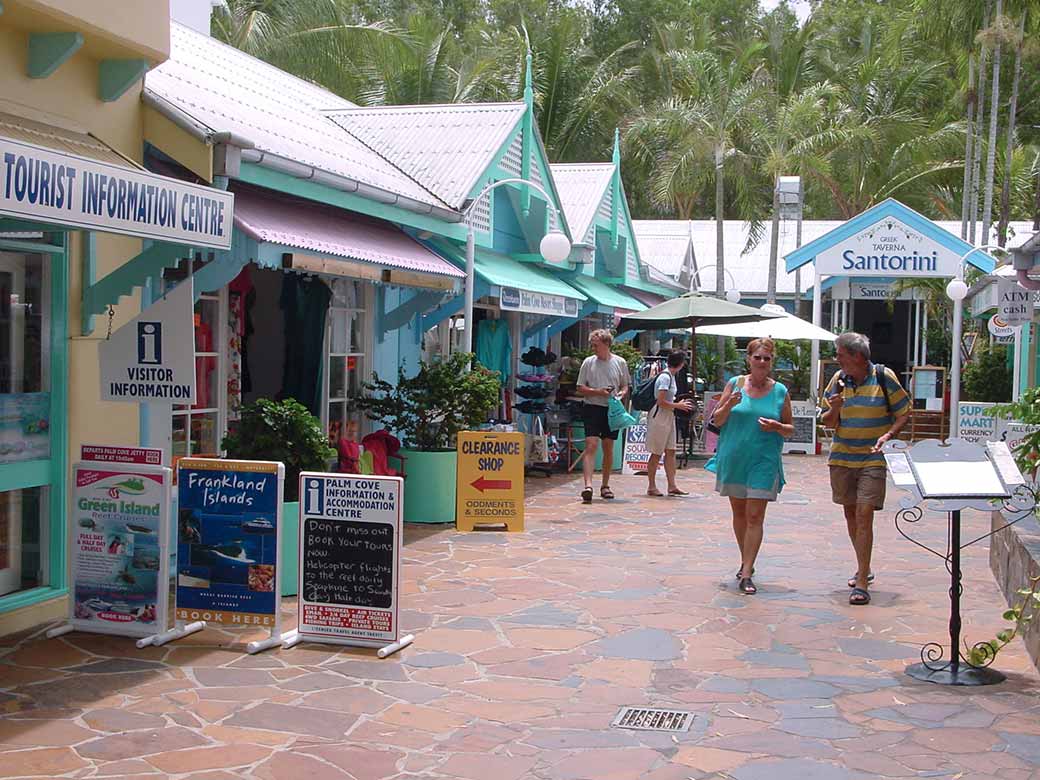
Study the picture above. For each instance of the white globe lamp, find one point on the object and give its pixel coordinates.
(956, 290)
(733, 296)
(555, 246)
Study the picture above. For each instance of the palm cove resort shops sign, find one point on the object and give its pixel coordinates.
(44, 185)
(515, 299)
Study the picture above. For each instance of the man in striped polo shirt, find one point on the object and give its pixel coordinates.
(866, 406)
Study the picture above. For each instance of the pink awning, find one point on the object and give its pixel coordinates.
(276, 219)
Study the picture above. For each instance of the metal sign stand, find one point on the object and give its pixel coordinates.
(916, 470)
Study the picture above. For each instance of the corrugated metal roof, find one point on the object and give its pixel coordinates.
(446, 148)
(751, 270)
(582, 188)
(663, 244)
(304, 225)
(227, 90)
(61, 140)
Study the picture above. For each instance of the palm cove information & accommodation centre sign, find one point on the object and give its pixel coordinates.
(886, 244)
(350, 561)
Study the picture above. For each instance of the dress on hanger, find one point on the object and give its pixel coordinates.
(495, 346)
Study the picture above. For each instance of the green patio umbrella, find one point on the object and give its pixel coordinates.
(689, 311)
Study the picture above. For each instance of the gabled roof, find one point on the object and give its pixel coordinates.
(445, 148)
(663, 244)
(889, 208)
(221, 89)
(581, 187)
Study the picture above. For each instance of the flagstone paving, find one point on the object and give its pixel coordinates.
(528, 644)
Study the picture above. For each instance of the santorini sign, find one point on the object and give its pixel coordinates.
(888, 248)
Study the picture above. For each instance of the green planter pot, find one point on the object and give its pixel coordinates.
(619, 447)
(429, 487)
(288, 576)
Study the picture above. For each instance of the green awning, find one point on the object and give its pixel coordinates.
(604, 294)
(501, 271)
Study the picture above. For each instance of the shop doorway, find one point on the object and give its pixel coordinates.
(25, 436)
(886, 325)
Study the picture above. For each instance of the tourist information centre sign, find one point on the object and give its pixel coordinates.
(45, 185)
(490, 488)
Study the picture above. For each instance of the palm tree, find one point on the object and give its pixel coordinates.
(317, 40)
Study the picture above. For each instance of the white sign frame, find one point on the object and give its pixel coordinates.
(162, 338)
(162, 616)
(888, 247)
(95, 195)
(1015, 304)
(314, 506)
(805, 410)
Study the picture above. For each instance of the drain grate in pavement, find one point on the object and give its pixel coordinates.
(653, 719)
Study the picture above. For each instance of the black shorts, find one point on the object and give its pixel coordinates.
(595, 418)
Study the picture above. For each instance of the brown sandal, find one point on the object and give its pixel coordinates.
(605, 492)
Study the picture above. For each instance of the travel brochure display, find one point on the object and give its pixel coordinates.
(228, 547)
(949, 477)
(636, 457)
(119, 524)
(350, 559)
(490, 483)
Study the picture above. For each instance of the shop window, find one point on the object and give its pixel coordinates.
(24, 539)
(197, 429)
(346, 358)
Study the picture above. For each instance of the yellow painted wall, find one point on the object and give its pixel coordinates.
(68, 98)
(119, 28)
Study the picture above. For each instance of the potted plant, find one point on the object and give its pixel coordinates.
(282, 431)
(426, 411)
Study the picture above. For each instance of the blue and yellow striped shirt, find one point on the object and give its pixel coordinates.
(865, 417)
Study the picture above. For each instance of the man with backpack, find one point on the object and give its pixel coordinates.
(866, 406)
(660, 425)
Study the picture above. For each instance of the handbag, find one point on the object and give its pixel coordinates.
(537, 443)
(617, 417)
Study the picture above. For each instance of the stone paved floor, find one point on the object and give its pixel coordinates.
(529, 643)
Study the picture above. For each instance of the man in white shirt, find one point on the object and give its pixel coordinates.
(602, 375)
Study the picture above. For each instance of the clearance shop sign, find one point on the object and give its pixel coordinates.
(44, 185)
(490, 489)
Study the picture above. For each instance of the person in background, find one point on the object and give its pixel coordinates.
(866, 406)
(753, 415)
(602, 375)
(660, 434)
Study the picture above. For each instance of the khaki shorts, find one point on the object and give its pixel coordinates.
(660, 431)
(858, 486)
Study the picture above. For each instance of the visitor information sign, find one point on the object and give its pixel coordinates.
(228, 541)
(119, 527)
(490, 484)
(350, 559)
(151, 359)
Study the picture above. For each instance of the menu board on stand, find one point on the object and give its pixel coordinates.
(118, 531)
(350, 562)
(229, 542)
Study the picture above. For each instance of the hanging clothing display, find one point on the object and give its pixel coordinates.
(495, 346)
(204, 366)
(305, 305)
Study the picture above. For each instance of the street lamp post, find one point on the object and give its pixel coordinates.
(554, 246)
(732, 294)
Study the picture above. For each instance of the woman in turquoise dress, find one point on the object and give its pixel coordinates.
(753, 416)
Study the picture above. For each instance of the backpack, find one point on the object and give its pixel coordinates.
(644, 397)
(879, 374)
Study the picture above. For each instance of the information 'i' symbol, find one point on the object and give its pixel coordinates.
(149, 343)
(313, 497)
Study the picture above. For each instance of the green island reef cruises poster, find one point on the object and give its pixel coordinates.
(119, 562)
(227, 541)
